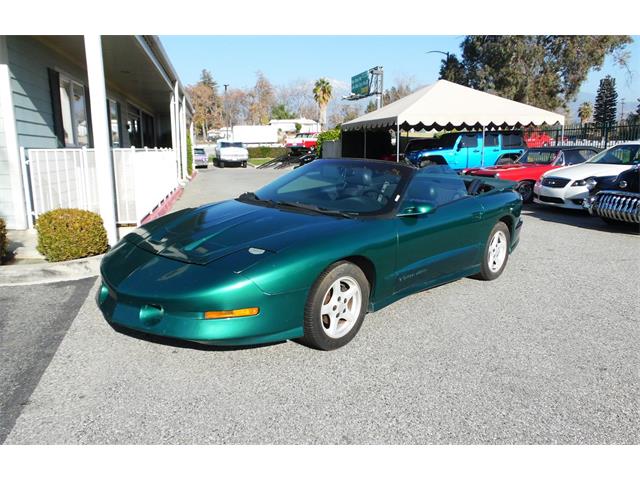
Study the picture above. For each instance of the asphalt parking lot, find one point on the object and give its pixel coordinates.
(548, 353)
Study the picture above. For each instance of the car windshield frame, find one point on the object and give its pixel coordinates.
(271, 195)
(555, 155)
(199, 151)
(598, 157)
(231, 145)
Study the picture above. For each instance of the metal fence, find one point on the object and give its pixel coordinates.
(595, 135)
(66, 178)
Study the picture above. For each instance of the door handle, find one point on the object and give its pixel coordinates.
(476, 215)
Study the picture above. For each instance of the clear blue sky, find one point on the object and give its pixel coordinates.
(235, 59)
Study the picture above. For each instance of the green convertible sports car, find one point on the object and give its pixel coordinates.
(308, 255)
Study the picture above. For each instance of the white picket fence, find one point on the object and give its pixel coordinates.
(66, 178)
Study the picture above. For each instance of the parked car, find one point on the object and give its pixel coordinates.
(303, 143)
(534, 162)
(566, 187)
(231, 153)
(615, 199)
(200, 158)
(535, 139)
(464, 150)
(308, 255)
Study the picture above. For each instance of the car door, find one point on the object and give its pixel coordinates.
(463, 148)
(491, 148)
(442, 244)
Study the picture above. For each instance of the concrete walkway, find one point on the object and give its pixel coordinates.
(215, 184)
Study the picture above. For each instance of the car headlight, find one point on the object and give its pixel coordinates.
(591, 183)
(497, 175)
(579, 183)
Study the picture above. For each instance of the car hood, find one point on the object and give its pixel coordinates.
(585, 170)
(233, 150)
(214, 231)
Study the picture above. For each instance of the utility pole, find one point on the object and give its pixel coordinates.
(621, 109)
(226, 111)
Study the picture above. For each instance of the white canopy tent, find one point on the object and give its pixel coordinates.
(447, 105)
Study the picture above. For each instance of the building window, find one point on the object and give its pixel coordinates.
(133, 126)
(74, 113)
(114, 122)
(148, 130)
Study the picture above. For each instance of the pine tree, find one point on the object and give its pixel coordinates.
(606, 102)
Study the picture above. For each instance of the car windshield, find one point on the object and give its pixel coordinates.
(343, 187)
(198, 151)
(618, 155)
(542, 157)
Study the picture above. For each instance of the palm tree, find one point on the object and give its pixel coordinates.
(322, 95)
(584, 112)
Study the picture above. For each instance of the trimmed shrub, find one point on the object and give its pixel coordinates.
(266, 152)
(68, 233)
(3, 239)
(189, 155)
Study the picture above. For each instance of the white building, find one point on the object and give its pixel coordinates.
(118, 151)
(289, 126)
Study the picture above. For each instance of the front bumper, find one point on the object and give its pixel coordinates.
(564, 197)
(615, 205)
(280, 318)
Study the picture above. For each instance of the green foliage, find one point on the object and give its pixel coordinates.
(68, 233)
(542, 70)
(280, 112)
(298, 127)
(189, 154)
(328, 135)
(322, 92)
(585, 111)
(606, 102)
(266, 152)
(372, 106)
(3, 239)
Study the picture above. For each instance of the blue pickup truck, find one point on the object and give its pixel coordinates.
(464, 149)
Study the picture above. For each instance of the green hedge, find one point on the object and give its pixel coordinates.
(189, 155)
(68, 233)
(266, 152)
(3, 239)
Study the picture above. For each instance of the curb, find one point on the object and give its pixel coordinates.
(40, 273)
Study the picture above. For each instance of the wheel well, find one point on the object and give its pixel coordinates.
(508, 221)
(366, 266)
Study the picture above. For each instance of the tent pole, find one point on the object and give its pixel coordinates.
(398, 142)
(482, 157)
(365, 142)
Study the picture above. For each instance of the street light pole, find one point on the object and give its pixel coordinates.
(446, 54)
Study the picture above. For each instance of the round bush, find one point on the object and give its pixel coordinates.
(68, 233)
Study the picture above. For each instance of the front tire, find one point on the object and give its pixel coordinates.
(525, 188)
(496, 253)
(336, 306)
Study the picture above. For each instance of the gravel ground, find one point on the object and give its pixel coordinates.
(548, 353)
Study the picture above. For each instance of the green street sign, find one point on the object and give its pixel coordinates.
(360, 84)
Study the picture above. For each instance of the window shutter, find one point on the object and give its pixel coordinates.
(54, 87)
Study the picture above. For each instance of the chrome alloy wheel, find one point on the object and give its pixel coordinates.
(497, 251)
(341, 307)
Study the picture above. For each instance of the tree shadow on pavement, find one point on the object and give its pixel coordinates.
(178, 343)
(576, 218)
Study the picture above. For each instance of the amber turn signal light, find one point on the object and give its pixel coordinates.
(241, 312)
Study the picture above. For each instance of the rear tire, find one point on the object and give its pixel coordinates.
(244, 164)
(496, 253)
(336, 306)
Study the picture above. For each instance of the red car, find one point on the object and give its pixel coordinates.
(532, 164)
(307, 141)
(538, 139)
